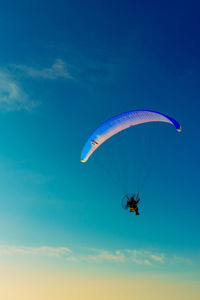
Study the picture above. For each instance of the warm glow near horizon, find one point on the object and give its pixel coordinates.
(31, 286)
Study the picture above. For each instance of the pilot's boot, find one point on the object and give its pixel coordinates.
(136, 211)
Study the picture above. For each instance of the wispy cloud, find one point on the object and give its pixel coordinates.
(159, 258)
(134, 256)
(175, 259)
(44, 251)
(57, 70)
(145, 257)
(12, 96)
(103, 255)
(98, 256)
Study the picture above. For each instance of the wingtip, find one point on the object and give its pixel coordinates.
(179, 129)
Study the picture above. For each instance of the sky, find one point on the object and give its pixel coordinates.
(66, 67)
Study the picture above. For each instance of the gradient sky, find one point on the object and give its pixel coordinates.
(65, 67)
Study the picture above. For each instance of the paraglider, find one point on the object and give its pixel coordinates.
(117, 124)
(131, 202)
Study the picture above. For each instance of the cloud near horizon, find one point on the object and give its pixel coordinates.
(43, 251)
(97, 256)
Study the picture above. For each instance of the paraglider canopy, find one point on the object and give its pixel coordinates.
(119, 123)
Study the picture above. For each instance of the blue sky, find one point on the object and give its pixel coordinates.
(67, 66)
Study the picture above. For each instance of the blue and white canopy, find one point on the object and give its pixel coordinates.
(119, 123)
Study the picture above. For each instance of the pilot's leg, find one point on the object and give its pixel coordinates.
(136, 211)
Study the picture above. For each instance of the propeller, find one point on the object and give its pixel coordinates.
(125, 200)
